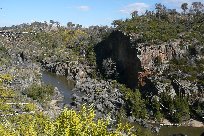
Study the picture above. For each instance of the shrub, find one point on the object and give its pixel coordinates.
(68, 123)
(134, 102)
(40, 93)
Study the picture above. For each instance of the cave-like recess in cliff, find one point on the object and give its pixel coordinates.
(117, 46)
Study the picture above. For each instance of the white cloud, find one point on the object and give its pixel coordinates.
(140, 7)
(179, 2)
(83, 8)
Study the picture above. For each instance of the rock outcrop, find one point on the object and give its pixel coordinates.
(121, 56)
(117, 47)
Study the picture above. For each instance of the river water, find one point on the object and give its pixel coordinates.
(64, 86)
(189, 131)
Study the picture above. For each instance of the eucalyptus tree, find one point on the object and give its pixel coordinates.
(184, 7)
(134, 14)
(197, 7)
(158, 7)
(117, 22)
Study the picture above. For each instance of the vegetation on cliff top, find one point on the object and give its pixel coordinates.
(166, 24)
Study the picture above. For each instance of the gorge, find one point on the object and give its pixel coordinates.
(146, 71)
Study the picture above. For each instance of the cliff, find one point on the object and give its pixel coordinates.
(131, 59)
(117, 48)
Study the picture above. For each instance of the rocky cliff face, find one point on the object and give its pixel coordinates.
(132, 58)
(153, 56)
(117, 47)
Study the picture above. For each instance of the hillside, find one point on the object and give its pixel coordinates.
(145, 70)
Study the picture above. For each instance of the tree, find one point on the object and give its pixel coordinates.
(117, 23)
(52, 22)
(158, 7)
(134, 14)
(69, 25)
(173, 13)
(158, 116)
(164, 11)
(184, 7)
(134, 102)
(197, 7)
(57, 23)
(161, 11)
(78, 26)
(181, 109)
(156, 109)
(148, 13)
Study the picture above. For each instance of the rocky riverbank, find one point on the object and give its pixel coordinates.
(106, 98)
(25, 73)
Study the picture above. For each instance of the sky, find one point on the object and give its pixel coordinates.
(84, 12)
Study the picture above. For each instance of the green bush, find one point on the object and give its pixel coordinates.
(134, 102)
(177, 109)
(40, 93)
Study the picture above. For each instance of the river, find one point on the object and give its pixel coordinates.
(65, 86)
(189, 131)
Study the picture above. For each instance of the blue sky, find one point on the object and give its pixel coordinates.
(84, 12)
